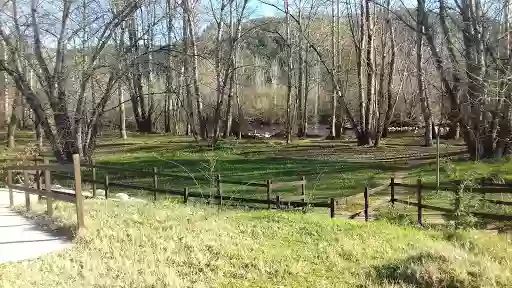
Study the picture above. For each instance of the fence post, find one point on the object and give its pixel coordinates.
(392, 185)
(332, 207)
(78, 192)
(419, 200)
(482, 184)
(269, 191)
(27, 194)
(278, 202)
(155, 181)
(185, 195)
(9, 183)
(219, 188)
(106, 186)
(48, 188)
(93, 178)
(458, 200)
(438, 160)
(366, 204)
(303, 189)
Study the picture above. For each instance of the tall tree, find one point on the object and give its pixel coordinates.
(289, 69)
(53, 72)
(391, 97)
(424, 97)
(334, 52)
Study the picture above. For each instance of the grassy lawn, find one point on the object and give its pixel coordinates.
(168, 244)
(332, 168)
(458, 170)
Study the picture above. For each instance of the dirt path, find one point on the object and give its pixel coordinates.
(21, 238)
(377, 200)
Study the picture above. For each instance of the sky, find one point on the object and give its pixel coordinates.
(259, 9)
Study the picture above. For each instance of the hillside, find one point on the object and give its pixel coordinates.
(168, 244)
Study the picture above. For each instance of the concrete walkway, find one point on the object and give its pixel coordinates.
(21, 238)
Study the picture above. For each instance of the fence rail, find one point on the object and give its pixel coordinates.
(273, 199)
(50, 167)
(55, 194)
(420, 187)
(48, 193)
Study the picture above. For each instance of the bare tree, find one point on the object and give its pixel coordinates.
(189, 12)
(289, 69)
(424, 97)
(392, 97)
(59, 127)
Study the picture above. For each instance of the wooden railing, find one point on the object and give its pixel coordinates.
(273, 199)
(420, 187)
(366, 196)
(48, 193)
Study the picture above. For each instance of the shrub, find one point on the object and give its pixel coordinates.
(444, 268)
(395, 216)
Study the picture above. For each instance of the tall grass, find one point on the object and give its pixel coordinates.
(168, 244)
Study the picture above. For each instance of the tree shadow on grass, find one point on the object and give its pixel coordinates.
(425, 269)
(502, 227)
(325, 178)
(51, 225)
(254, 169)
(117, 145)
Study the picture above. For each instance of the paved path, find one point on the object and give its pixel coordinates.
(21, 238)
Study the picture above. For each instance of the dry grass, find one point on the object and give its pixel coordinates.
(171, 245)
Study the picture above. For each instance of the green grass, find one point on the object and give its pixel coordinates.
(167, 244)
(171, 245)
(463, 170)
(332, 168)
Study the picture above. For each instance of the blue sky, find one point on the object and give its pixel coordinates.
(259, 9)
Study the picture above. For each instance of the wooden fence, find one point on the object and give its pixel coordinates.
(277, 201)
(455, 187)
(273, 200)
(48, 193)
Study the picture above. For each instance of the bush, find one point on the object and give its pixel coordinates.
(395, 216)
(444, 268)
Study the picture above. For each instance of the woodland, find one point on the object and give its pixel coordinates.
(73, 70)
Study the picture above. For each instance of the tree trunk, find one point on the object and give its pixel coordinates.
(122, 113)
(13, 123)
(4, 89)
(390, 106)
(194, 73)
(317, 94)
(150, 79)
(424, 98)
(360, 45)
(289, 65)
(151, 97)
(366, 138)
(301, 132)
(188, 73)
(39, 135)
(306, 92)
(137, 98)
(383, 123)
(219, 75)
(168, 105)
(339, 119)
(332, 134)
(232, 78)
